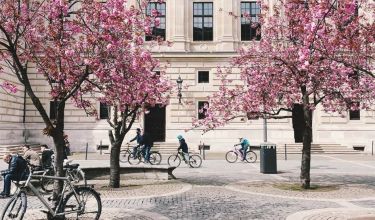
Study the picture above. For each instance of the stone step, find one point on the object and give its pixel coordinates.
(17, 148)
(317, 148)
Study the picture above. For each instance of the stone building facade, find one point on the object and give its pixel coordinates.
(205, 34)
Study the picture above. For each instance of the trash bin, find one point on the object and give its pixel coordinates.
(268, 158)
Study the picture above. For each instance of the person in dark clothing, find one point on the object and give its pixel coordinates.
(66, 148)
(148, 143)
(183, 147)
(46, 156)
(17, 170)
(138, 138)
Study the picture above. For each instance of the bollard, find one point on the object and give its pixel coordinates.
(87, 147)
(100, 147)
(286, 158)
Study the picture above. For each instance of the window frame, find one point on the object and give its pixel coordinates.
(250, 32)
(160, 15)
(208, 76)
(202, 17)
(102, 114)
(355, 115)
(199, 114)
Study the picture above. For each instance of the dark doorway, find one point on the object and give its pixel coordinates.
(298, 123)
(155, 123)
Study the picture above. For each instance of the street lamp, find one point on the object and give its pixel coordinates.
(179, 87)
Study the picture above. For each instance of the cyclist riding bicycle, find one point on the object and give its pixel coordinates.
(183, 147)
(245, 144)
(138, 138)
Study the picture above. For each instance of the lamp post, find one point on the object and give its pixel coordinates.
(265, 139)
(179, 87)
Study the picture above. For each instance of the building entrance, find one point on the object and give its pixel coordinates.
(154, 123)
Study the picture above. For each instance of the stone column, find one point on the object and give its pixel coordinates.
(226, 12)
(177, 22)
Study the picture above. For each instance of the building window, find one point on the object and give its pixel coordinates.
(250, 27)
(202, 105)
(203, 21)
(203, 77)
(103, 111)
(355, 114)
(157, 31)
(53, 109)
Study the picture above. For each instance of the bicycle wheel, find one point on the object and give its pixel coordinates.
(79, 177)
(47, 183)
(231, 156)
(124, 156)
(251, 157)
(133, 160)
(195, 161)
(155, 158)
(16, 207)
(174, 161)
(87, 205)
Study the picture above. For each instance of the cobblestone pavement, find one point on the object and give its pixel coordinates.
(220, 190)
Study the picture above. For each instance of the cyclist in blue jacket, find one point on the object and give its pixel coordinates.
(245, 144)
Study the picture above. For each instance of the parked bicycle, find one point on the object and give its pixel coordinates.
(195, 161)
(78, 202)
(72, 170)
(232, 155)
(155, 157)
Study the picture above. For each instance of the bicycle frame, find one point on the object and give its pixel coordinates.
(67, 183)
(237, 150)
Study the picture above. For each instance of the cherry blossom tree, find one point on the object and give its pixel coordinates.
(39, 32)
(311, 53)
(80, 51)
(125, 81)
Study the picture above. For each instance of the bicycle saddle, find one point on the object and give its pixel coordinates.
(71, 166)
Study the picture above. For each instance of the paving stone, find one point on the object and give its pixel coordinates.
(218, 191)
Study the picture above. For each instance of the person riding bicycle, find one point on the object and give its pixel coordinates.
(245, 144)
(138, 138)
(146, 140)
(184, 148)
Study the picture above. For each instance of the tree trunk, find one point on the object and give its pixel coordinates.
(307, 138)
(58, 139)
(59, 142)
(114, 180)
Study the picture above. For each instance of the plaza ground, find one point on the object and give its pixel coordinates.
(219, 190)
